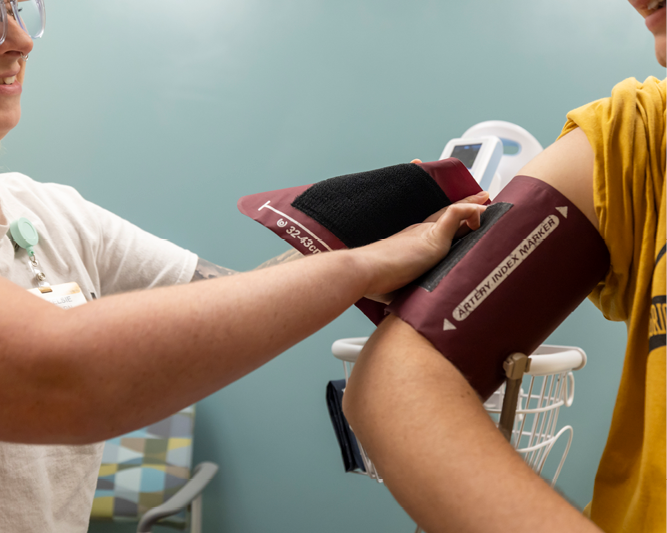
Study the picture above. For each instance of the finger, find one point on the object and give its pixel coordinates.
(466, 226)
(479, 198)
(416, 161)
(450, 222)
(475, 221)
(463, 230)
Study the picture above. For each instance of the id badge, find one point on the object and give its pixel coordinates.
(65, 295)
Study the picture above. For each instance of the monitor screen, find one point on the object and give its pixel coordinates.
(466, 153)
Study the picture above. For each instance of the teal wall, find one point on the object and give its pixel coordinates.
(167, 112)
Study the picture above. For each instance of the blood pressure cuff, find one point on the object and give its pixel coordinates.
(506, 286)
(358, 209)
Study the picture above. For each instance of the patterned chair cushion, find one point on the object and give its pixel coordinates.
(143, 469)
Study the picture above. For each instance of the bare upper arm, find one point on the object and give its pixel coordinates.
(425, 428)
(567, 165)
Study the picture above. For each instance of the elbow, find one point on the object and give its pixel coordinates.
(44, 398)
(48, 394)
(52, 414)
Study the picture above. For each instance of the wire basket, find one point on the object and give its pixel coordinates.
(548, 384)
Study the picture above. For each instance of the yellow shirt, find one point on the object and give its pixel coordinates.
(627, 134)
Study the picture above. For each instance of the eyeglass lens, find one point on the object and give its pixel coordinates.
(31, 14)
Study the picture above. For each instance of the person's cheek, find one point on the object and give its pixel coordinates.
(21, 75)
(660, 49)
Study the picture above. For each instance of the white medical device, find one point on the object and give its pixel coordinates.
(481, 156)
(519, 147)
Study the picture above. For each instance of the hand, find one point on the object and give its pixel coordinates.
(394, 262)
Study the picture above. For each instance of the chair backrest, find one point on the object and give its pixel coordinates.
(144, 468)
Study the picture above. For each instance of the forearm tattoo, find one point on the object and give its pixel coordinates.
(207, 270)
(287, 257)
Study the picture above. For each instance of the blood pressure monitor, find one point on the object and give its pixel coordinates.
(480, 155)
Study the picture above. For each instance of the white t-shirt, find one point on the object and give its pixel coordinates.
(49, 489)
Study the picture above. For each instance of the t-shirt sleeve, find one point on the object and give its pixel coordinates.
(130, 258)
(627, 134)
(125, 257)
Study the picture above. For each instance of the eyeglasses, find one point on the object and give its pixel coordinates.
(30, 15)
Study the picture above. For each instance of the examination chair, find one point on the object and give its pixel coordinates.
(147, 476)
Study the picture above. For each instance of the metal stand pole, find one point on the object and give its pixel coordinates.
(515, 366)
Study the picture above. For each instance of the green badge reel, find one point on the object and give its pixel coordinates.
(24, 235)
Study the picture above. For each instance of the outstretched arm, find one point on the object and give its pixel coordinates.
(91, 372)
(426, 429)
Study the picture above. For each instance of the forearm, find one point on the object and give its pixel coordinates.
(437, 449)
(285, 257)
(207, 270)
(151, 353)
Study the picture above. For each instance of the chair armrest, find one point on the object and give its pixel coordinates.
(201, 475)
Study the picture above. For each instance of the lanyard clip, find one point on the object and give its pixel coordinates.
(42, 284)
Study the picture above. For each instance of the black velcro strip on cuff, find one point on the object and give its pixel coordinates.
(363, 208)
(462, 246)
